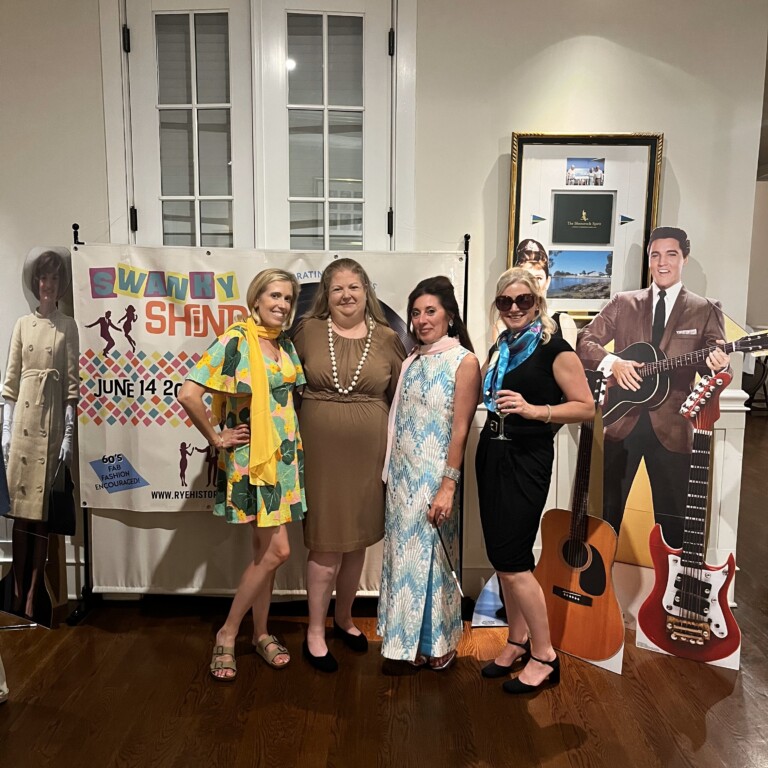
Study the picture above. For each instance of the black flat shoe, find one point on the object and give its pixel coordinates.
(325, 663)
(357, 643)
(494, 670)
(516, 687)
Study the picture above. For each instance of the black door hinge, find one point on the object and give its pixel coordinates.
(390, 222)
(391, 42)
(126, 38)
(134, 217)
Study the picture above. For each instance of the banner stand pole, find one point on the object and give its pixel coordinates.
(87, 597)
(467, 603)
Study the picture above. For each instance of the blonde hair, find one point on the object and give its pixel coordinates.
(520, 275)
(320, 308)
(261, 282)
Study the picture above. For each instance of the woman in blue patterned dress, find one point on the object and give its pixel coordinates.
(419, 605)
(252, 370)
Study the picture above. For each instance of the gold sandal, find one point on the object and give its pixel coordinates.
(438, 663)
(217, 663)
(276, 648)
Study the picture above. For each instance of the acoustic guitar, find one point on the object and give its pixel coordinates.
(687, 613)
(575, 568)
(655, 374)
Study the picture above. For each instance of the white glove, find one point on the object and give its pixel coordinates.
(65, 454)
(7, 428)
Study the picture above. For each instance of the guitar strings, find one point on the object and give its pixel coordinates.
(693, 587)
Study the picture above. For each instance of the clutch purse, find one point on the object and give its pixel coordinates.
(5, 499)
(61, 503)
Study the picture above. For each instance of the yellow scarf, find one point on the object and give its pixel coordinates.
(265, 441)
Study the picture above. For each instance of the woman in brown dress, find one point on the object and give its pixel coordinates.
(352, 361)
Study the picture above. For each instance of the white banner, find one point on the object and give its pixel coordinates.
(145, 315)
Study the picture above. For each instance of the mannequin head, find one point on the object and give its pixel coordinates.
(530, 251)
(48, 264)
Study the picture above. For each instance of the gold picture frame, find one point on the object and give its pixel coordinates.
(591, 199)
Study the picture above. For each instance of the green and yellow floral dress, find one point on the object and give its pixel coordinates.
(224, 368)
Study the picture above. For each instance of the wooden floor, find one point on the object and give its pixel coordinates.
(130, 687)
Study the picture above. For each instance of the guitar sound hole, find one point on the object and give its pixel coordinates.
(575, 553)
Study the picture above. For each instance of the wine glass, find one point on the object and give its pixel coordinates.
(501, 435)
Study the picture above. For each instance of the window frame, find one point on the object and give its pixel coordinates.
(121, 173)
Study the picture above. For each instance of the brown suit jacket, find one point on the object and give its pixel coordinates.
(693, 324)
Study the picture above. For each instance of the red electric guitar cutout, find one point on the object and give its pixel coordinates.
(687, 613)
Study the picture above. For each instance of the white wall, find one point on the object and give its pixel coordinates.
(692, 69)
(757, 305)
(52, 156)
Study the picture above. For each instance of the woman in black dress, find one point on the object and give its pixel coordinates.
(530, 381)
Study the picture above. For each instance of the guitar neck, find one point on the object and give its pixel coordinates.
(581, 483)
(686, 360)
(695, 528)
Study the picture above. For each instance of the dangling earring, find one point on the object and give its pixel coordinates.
(450, 323)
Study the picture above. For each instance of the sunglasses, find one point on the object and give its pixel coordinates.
(524, 302)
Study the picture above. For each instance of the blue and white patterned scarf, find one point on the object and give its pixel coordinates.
(512, 351)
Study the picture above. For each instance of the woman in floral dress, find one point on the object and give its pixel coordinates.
(252, 370)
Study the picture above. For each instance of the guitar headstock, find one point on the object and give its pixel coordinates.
(703, 404)
(597, 385)
(753, 343)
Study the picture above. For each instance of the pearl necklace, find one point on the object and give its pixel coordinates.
(341, 390)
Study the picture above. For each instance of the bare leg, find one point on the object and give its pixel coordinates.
(19, 553)
(39, 556)
(322, 568)
(260, 611)
(526, 608)
(3, 684)
(270, 551)
(347, 582)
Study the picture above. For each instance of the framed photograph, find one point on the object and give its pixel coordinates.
(591, 200)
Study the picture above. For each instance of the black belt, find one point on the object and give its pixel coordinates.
(493, 422)
(514, 428)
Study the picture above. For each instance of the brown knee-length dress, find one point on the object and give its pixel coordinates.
(345, 436)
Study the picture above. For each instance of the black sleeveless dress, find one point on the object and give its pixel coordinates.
(513, 475)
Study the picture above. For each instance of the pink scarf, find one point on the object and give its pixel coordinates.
(441, 345)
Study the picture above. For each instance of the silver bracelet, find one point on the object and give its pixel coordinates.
(452, 474)
(549, 413)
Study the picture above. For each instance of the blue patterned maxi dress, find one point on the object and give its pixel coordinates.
(419, 605)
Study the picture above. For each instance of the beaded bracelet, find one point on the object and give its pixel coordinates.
(452, 474)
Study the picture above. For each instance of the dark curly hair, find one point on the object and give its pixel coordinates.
(441, 288)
